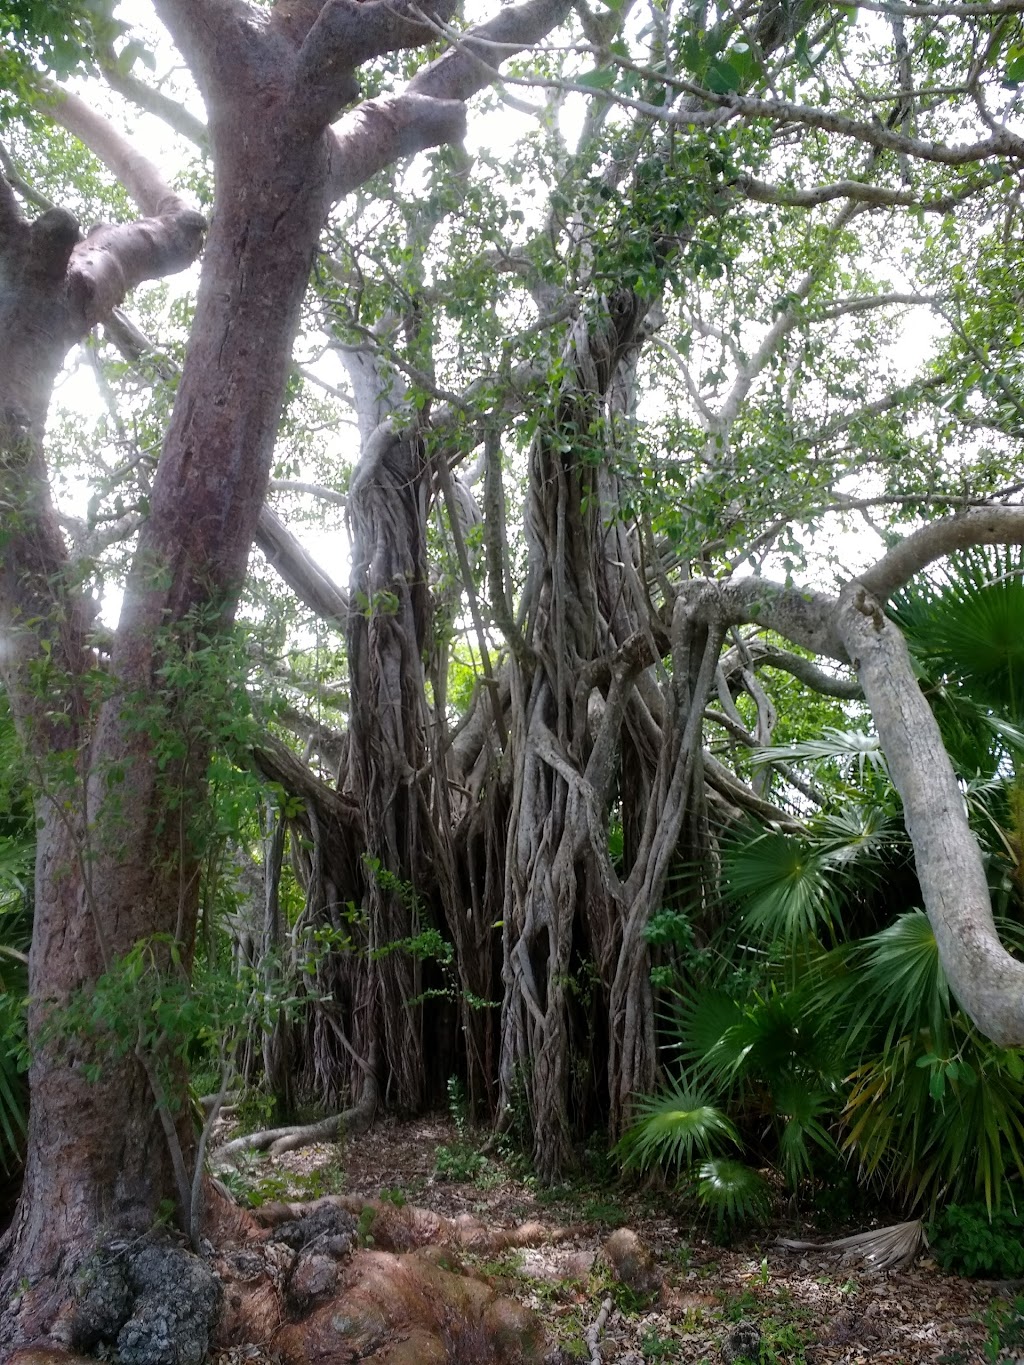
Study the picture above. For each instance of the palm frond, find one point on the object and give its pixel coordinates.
(803, 1109)
(934, 1125)
(858, 750)
(879, 1249)
(733, 1191)
(782, 884)
(700, 1021)
(674, 1129)
(856, 834)
(902, 978)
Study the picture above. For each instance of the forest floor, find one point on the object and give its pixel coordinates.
(810, 1308)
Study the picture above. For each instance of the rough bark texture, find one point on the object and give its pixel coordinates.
(96, 1156)
(388, 739)
(595, 718)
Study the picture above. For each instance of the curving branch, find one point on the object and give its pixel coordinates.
(979, 526)
(992, 8)
(347, 33)
(300, 570)
(17, 181)
(723, 108)
(986, 980)
(763, 655)
(801, 616)
(383, 130)
(216, 38)
(467, 68)
(877, 195)
(139, 176)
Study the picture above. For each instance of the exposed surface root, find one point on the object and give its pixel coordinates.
(288, 1139)
(409, 1227)
(298, 1283)
(151, 1301)
(596, 1328)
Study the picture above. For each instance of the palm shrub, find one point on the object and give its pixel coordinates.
(812, 1051)
(820, 1019)
(934, 1110)
(681, 1129)
(747, 1043)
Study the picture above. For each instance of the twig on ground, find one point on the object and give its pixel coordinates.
(596, 1328)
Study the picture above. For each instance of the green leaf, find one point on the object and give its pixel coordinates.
(733, 1191)
(724, 77)
(674, 1128)
(601, 78)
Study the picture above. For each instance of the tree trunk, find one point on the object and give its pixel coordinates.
(386, 640)
(123, 832)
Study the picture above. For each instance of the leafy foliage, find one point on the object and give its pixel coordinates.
(674, 1128)
(49, 34)
(781, 883)
(733, 1192)
(969, 1239)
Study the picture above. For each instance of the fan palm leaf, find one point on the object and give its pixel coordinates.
(782, 884)
(856, 751)
(902, 979)
(803, 1110)
(966, 622)
(674, 1128)
(733, 1191)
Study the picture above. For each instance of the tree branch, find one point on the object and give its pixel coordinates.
(347, 33)
(878, 195)
(382, 131)
(985, 979)
(28, 192)
(139, 176)
(764, 655)
(803, 617)
(926, 11)
(300, 570)
(979, 526)
(154, 102)
(219, 40)
(465, 69)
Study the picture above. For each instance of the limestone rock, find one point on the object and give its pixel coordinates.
(631, 1262)
(742, 1343)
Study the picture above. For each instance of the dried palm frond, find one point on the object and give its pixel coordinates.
(879, 1248)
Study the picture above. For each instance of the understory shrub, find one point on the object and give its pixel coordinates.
(966, 1240)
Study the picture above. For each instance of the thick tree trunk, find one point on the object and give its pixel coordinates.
(121, 840)
(386, 641)
(97, 1158)
(986, 980)
(564, 907)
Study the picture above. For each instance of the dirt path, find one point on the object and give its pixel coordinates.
(808, 1307)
